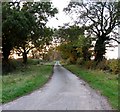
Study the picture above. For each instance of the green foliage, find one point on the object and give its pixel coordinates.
(100, 24)
(83, 47)
(111, 66)
(8, 28)
(102, 65)
(25, 24)
(69, 33)
(89, 64)
(69, 52)
(80, 61)
(95, 65)
(76, 45)
(114, 65)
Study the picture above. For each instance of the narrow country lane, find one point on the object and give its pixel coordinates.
(64, 91)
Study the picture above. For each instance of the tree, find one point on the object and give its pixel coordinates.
(69, 33)
(79, 48)
(101, 19)
(24, 26)
(84, 46)
(39, 35)
(10, 29)
(75, 44)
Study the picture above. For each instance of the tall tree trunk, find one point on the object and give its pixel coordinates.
(6, 53)
(100, 49)
(24, 56)
(6, 66)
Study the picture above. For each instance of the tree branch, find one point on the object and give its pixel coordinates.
(114, 40)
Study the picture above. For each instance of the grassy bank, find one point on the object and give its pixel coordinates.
(24, 80)
(106, 83)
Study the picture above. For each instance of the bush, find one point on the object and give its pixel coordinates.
(89, 64)
(114, 65)
(14, 64)
(10, 66)
(102, 65)
(80, 61)
(71, 60)
(68, 61)
(34, 61)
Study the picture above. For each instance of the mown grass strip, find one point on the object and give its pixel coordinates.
(106, 83)
(24, 81)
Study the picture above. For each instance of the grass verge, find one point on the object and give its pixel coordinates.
(106, 83)
(24, 80)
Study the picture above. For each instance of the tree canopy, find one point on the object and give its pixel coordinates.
(101, 20)
(22, 25)
(74, 44)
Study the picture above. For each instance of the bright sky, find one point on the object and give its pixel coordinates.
(62, 18)
(112, 53)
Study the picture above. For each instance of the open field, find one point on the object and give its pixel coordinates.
(105, 83)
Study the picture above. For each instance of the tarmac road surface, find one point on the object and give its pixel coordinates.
(64, 91)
